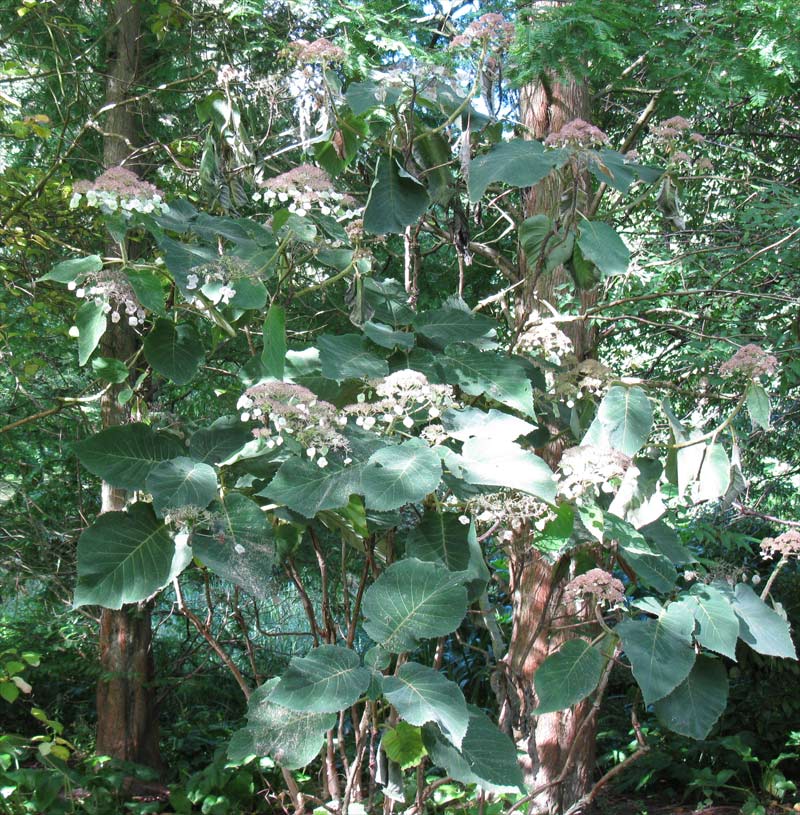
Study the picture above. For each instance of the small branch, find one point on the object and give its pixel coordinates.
(305, 600)
(211, 640)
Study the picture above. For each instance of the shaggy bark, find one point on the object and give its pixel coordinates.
(538, 583)
(127, 718)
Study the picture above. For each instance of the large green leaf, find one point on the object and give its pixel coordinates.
(366, 95)
(217, 443)
(386, 337)
(396, 199)
(568, 676)
(412, 601)
(461, 424)
(347, 356)
(763, 629)
(625, 417)
(148, 288)
(239, 545)
(181, 258)
(660, 651)
(653, 568)
(758, 405)
(388, 302)
(714, 477)
(308, 489)
(421, 694)
(124, 456)
(403, 745)
(612, 168)
(124, 557)
(664, 540)
(442, 538)
(501, 463)
(292, 738)
(487, 756)
(74, 269)
(717, 623)
(519, 162)
(273, 354)
(448, 325)
(601, 245)
(544, 247)
(400, 475)
(91, 323)
(477, 372)
(694, 706)
(175, 351)
(181, 482)
(326, 680)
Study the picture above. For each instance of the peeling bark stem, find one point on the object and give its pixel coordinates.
(127, 718)
(559, 747)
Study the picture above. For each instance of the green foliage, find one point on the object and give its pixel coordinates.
(416, 465)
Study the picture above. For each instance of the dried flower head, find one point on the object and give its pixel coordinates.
(751, 361)
(785, 545)
(597, 582)
(577, 134)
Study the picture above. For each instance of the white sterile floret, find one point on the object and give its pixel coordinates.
(408, 422)
(239, 549)
(322, 461)
(245, 417)
(192, 281)
(72, 285)
(464, 519)
(311, 452)
(244, 402)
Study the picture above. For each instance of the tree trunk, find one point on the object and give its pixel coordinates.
(537, 583)
(127, 718)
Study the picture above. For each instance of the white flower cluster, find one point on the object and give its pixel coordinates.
(118, 189)
(587, 469)
(514, 515)
(285, 409)
(404, 398)
(114, 293)
(542, 337)
(224, 271)
(587, 379)
(305, 187)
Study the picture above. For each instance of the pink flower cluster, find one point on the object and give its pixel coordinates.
(670, 128)
(487, 27)
(301, 177)
(750, 360)
(603, 585)
(577, 133)
(120, 182)
(320, 50)
(785, 545)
